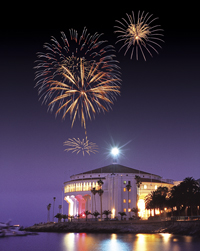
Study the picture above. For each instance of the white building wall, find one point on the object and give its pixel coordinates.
(114, 196)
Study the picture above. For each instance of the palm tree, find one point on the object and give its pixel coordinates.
(138, 183)
(100, 192)
(59, 217)
(94, 191)
(188, 192)
(122, 214)
(71, 217)
(106, 212)
(128, 187)
(135, 210)
(96, 214)
(48, 212)
(150, 201)
(157, 199)
(64, 216)
(54, 198)
(87, 213)
(161, 197)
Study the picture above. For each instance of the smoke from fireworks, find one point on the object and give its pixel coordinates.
(138, 34)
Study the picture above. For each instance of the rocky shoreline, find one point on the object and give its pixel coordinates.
(179, 227)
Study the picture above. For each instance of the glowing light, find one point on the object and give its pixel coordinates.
(113, 213)
(166, 236)
(141, 207)
(71, 205)
(139, 34)
(115, 151)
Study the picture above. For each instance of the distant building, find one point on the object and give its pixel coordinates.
(116, 197)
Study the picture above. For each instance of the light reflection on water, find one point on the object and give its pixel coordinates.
(128, 242)
(99, 242)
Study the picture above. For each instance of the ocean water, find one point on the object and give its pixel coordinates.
(99, 242)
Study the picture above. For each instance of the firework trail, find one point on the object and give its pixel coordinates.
(138, 34)
(77, 145)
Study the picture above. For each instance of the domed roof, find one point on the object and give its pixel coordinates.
(116, 168)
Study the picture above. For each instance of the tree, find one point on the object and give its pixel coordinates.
(87, 213)
(175, 199)
(128, 187)
(122, 214)
(185, 195)
(100, 192)
(54, 198)
(107, 212)
(71, 217)
(94, 191)
(78, 216)
(135, 210)
(161, 197)
(96, 214)
(48, 212)
(157, 199)
(58, 216)
(138, 181)
(64, 216)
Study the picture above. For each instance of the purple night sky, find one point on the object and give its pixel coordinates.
(158, 109)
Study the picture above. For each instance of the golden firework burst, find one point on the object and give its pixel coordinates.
(139, 34)
(85, 94)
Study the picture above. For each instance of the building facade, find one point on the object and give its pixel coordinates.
(120, 191)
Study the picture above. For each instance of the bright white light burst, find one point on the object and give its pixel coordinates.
(115, 151)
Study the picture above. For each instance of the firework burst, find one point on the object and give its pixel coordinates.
(79, 77)
(84, 94)
(68, 52)
(77, 145)
(139, 34)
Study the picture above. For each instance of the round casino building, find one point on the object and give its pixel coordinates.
(120, 191)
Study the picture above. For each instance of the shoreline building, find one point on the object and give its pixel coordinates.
(120, 190)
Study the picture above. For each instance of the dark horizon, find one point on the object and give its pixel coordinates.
(156, 117)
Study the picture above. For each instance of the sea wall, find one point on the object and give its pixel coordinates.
(178, 227)
(98, 227)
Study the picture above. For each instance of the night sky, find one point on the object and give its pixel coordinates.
(158, 111)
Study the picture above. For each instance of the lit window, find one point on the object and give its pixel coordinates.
(145, 186)
(124, 200)
(124, 189)
(156, 186)
(129, 201)
(129, 210)
(124, 210)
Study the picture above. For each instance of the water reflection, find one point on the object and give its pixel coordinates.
(113, 243)
(127, 242)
